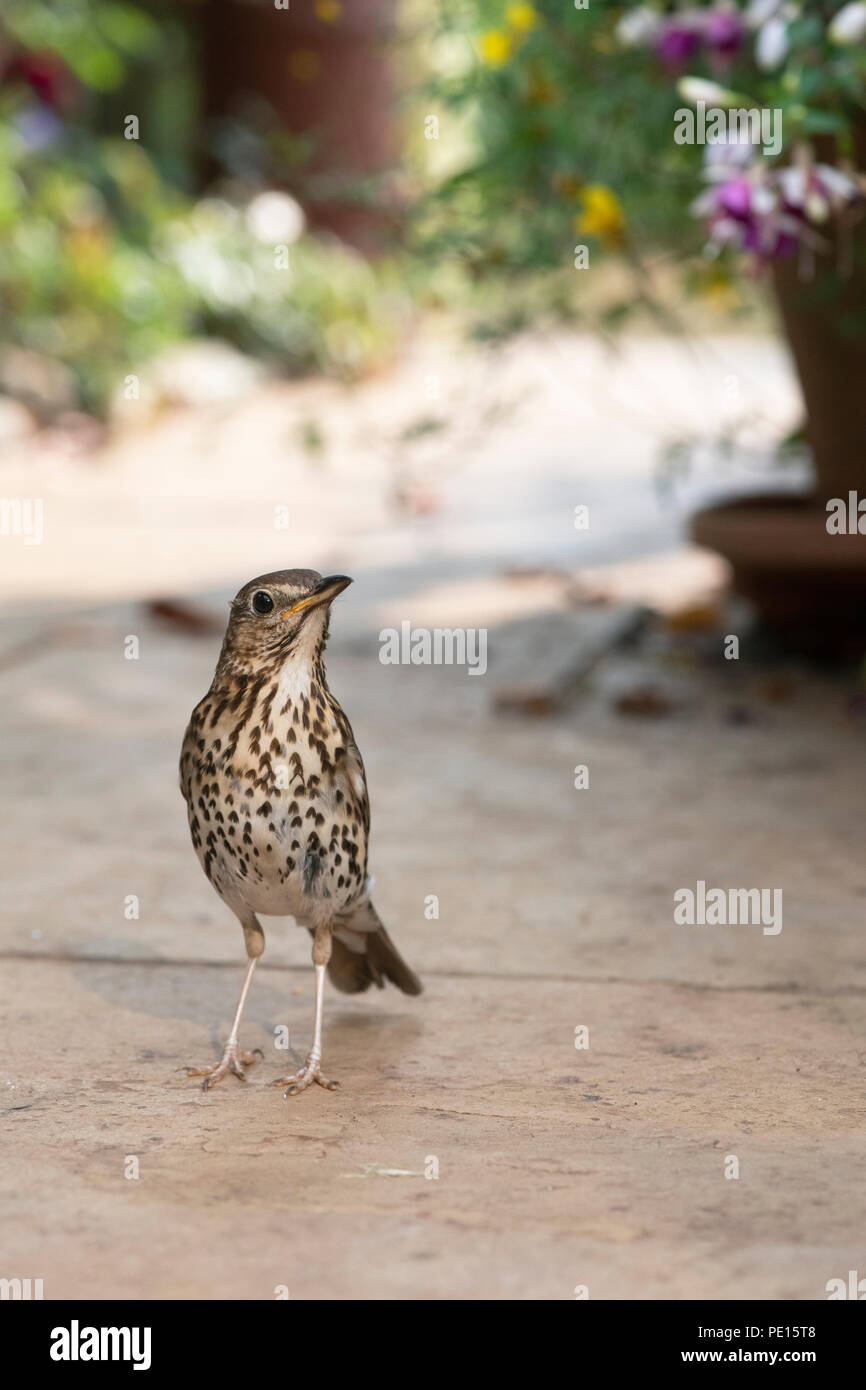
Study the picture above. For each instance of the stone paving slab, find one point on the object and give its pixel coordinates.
(557, 1167)
(532, 876)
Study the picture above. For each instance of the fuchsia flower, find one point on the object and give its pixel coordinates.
(679, 36)
(734, 197)
(771, 211)
(721, 31)
(724, 32)
(751, 203)
(678, 40)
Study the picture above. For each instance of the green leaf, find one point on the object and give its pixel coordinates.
(99, 68)
(128, 28)
(824, 122)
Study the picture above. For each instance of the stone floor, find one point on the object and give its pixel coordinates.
(472, 1151)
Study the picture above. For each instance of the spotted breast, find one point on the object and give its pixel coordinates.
(277, 795)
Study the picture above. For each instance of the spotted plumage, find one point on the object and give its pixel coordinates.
(277, 797)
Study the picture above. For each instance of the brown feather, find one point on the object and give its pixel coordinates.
(378, 960)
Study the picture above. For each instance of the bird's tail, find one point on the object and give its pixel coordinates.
(363, 954)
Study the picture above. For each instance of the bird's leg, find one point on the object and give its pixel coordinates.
(311, 1070)
(233, 1060)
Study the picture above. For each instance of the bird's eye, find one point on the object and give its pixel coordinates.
(262, 602)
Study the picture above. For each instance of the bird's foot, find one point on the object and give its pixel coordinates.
(233, 1060)
(311, 1071)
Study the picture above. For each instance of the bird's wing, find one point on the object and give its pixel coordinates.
(185, 769)
(187, 750)
(352, 768)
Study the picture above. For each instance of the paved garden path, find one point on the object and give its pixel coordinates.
(555, 1167)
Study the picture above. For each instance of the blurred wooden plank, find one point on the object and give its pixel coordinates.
(538, 662)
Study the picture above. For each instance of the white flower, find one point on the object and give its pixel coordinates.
(838, 184)
(793, 183)
(695, 89)
(275, 218)
(729, 157)
(638, 27)
(759, 11)
(764, 200)
(772, 44)
(849, 25)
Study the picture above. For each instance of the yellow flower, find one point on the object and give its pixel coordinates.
(721, 295)
(328, 11)
(521, 17)
(602, 214)
(495, 48)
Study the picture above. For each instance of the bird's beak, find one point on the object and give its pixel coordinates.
(325, 592)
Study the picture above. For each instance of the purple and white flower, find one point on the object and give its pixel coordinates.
(771, 211)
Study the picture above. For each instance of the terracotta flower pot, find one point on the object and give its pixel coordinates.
(803, 580)
(808, 585)
(825, 325)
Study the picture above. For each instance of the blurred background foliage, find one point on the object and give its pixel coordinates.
(557, 129)
(108, 256)
(547, 105)
(550, 134)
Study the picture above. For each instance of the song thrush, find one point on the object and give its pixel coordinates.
(277, 800)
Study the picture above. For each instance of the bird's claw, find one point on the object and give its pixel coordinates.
(233, 1060)
(309, 1073)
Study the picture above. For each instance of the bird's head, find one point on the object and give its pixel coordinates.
(280, 615)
